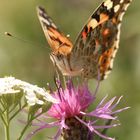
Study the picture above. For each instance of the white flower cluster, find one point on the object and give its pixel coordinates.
(10, 85)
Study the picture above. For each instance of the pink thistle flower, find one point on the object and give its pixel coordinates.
(71, 101)
(72, 119)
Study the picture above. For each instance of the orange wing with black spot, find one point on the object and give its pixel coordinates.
(98, 41)
(59, 43)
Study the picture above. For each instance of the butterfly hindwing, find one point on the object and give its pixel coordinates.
(98, 41)
(57, 41)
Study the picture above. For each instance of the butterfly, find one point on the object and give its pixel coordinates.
(95, 48)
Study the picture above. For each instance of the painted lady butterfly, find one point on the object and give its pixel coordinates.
(96, 45)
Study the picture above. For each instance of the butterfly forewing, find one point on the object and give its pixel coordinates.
(98, 41)
(57, 41)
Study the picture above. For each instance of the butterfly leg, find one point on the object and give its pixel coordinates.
(98, 81)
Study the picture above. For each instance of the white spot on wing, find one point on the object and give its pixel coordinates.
(121, 1)
(105, 76)
(53, 25)
(107, 72)
(93, 23)
(111, 63)
(116, 8)
(108, 4)
(115, 51)
(44, 20)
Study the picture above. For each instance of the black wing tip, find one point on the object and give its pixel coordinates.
(42, 12)
(40, 8)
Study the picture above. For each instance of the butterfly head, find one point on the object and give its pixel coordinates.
(66, 65)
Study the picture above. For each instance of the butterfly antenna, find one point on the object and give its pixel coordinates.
(23, 40)
(18, 38)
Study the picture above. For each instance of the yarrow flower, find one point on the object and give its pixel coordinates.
(16, 96)
(10, 85)
(72, 119)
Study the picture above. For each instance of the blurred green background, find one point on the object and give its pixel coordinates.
(29, 61)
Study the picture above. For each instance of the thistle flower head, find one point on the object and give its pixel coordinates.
(72, 119)
(72, 101)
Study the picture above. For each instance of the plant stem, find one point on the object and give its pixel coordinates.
(27, 125)
(23, 131)
(105, 130)
(7, 134)
(7, 125)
